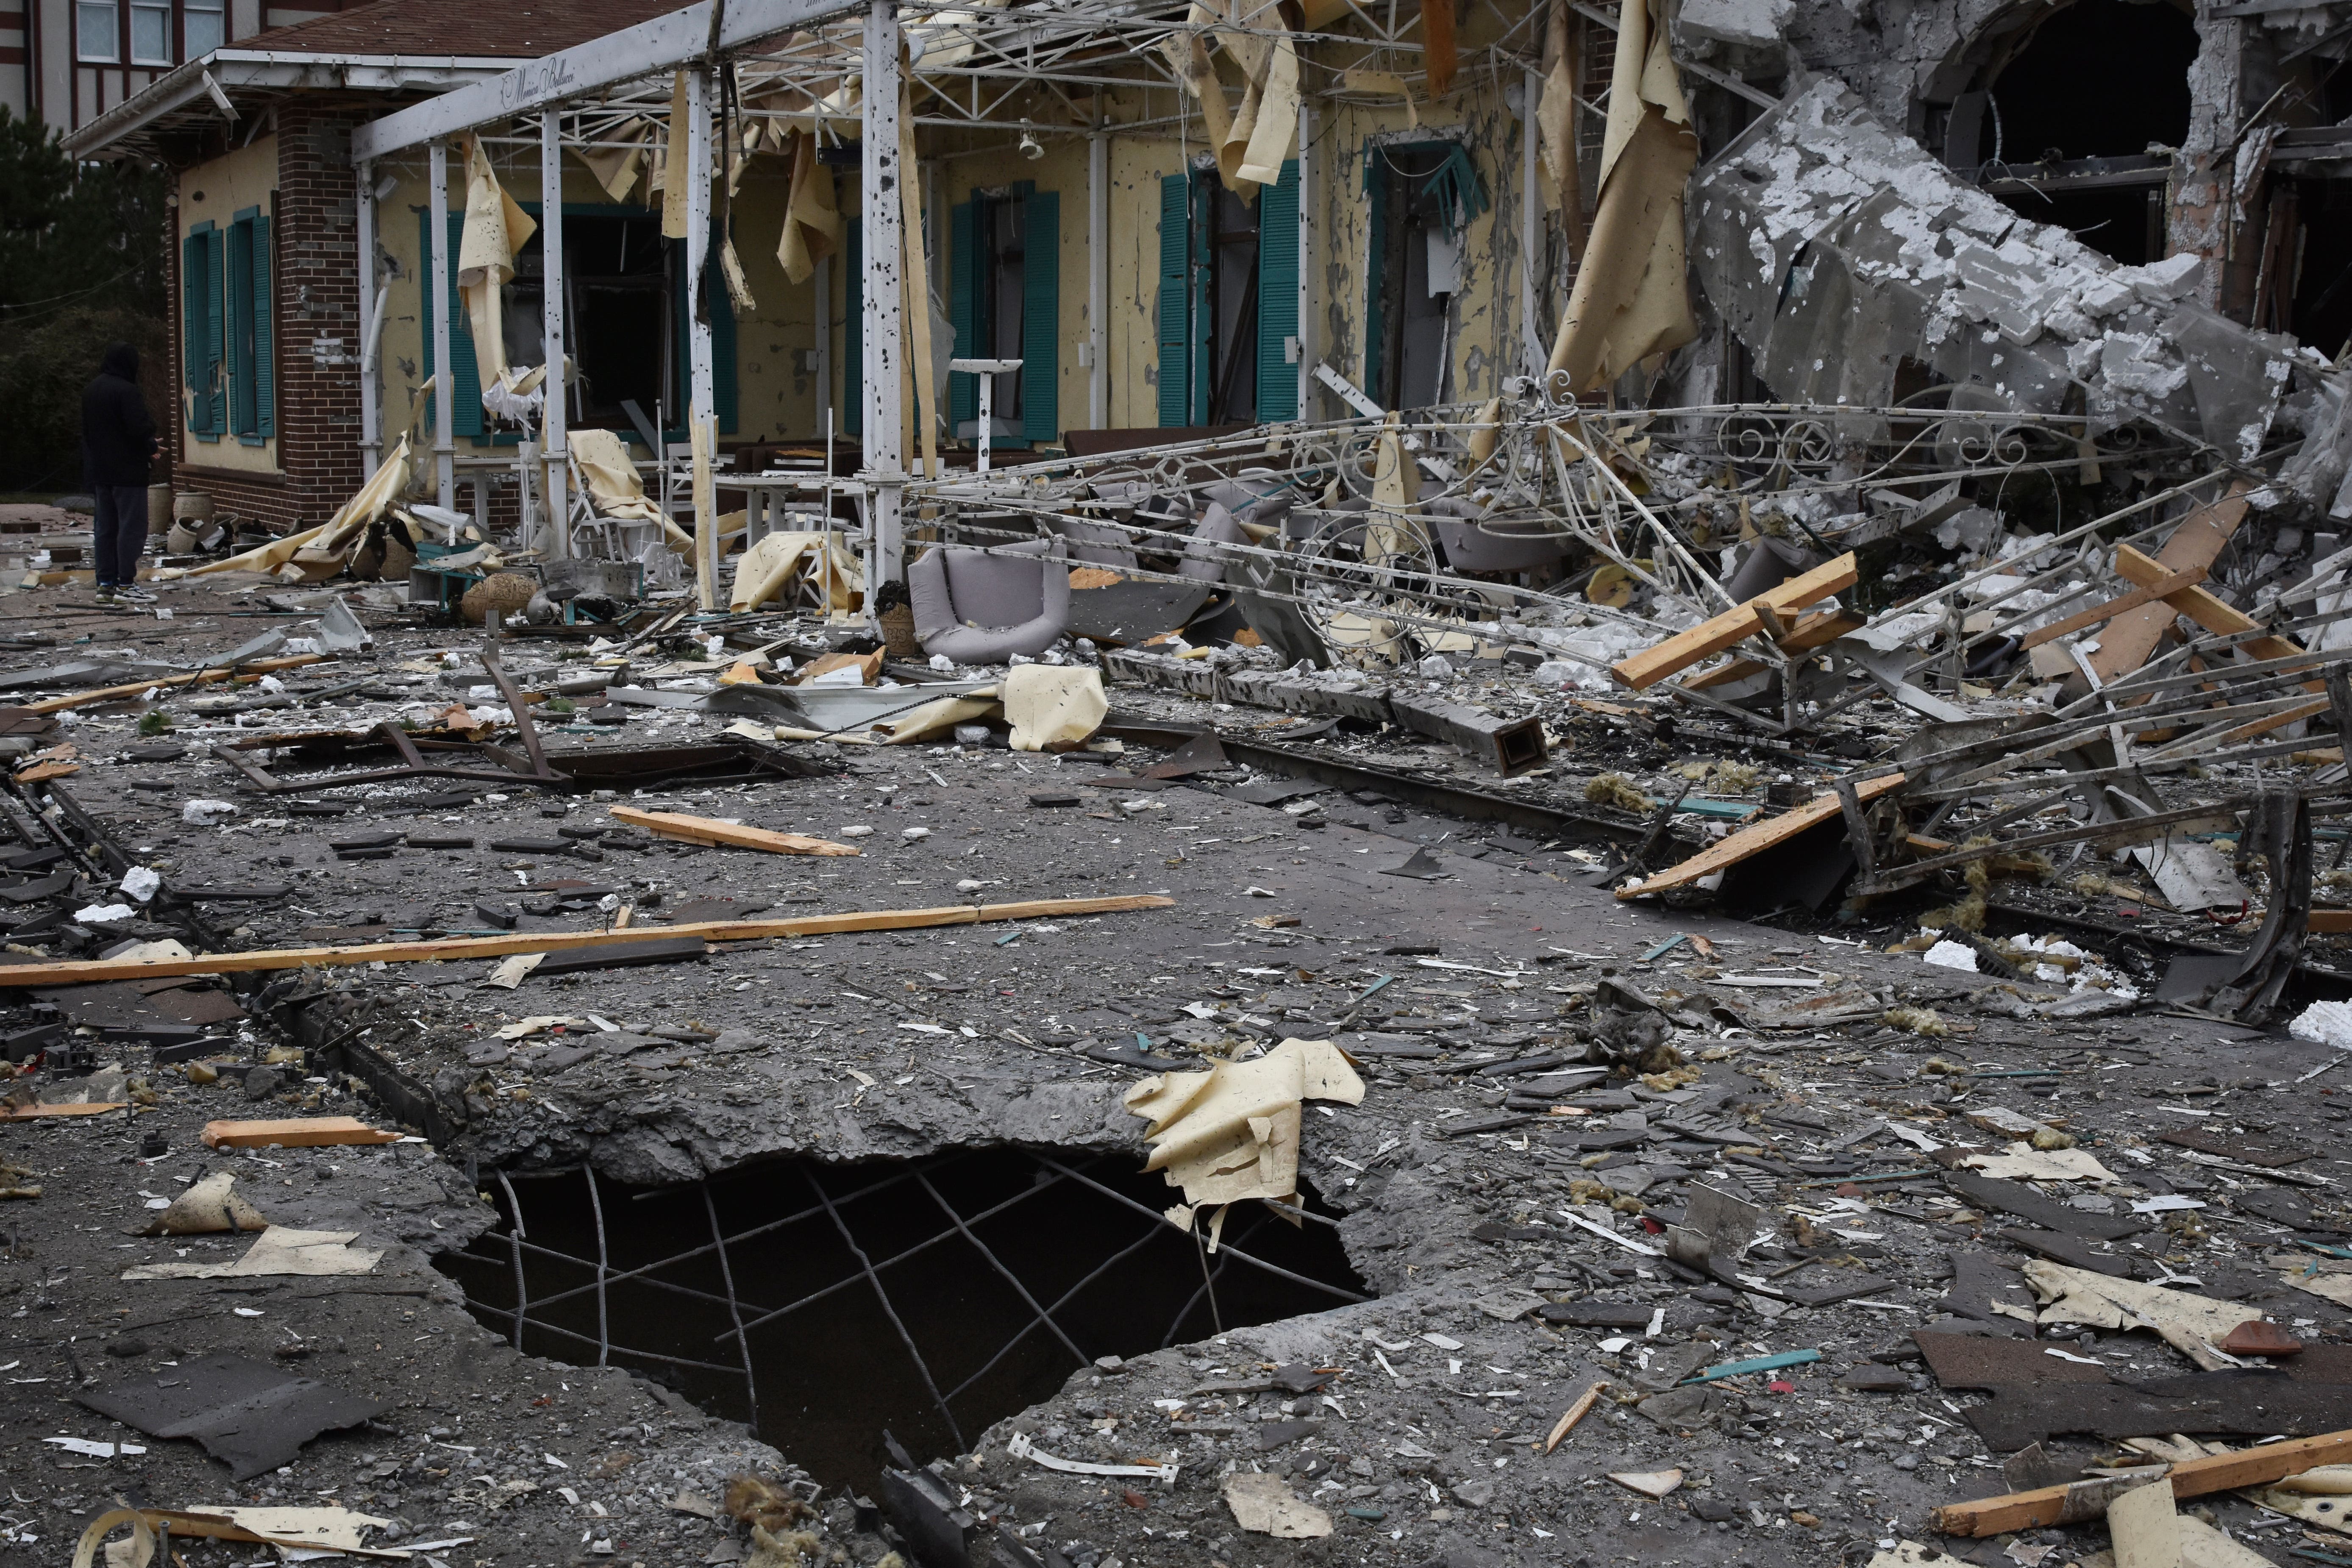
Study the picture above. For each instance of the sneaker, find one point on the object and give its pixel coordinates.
(105, 593)
(134, 595)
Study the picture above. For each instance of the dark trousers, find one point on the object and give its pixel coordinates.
(118, 533)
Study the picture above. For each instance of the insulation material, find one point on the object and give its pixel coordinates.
(1632, 299)
(939, 717)
(2023, 1163)
(495, 228)
(763, 572)
(1231, 1133)
(1053, 707)
(811, 220)
(1276, 128)
(1835, 248)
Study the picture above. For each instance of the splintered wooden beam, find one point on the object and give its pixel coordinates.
(2070, 1504)
(295, 1133)
(258, 667)
(1748, 841)
(710, 830)
(1760, 614)
(2203, 607)
(2194, 547)
(1814, 631)
(85, 972)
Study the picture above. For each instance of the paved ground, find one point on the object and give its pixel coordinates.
(1467, 1204)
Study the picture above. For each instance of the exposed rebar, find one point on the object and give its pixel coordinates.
(888, 1311)
(514, 1254)
(1010, 1278)
(727, 1274)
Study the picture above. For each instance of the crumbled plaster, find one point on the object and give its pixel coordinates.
(1835, 248)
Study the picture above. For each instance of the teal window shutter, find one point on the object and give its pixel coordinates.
(1041, 315)
(465, 378)
(1278, 297)
(852, 332)
(1376, 203)
(1204, 299)
(265, 363)
(963, 307)
(239, 303)
(723, 338)
(216, 332)
(1175, 303)
(196, 331)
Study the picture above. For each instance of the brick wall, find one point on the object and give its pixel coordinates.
(318, 318)
(317, 325)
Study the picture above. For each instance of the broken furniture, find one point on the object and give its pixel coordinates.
(982, 607)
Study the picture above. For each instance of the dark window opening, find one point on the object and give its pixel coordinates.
(616, 312)
(2100, 78)
(2125, 223)
(1226, 259)
(2314, 270)
(997, 302)
(1419, 268)
(929, 1298)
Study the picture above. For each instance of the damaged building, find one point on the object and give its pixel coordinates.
(1019, 786)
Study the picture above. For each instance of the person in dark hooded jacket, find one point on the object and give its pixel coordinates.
(118, 446)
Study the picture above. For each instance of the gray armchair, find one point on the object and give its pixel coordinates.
(1216, 527)
(1530, 546)
(982, 608)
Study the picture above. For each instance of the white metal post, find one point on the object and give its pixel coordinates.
(370, 420)
(1097, 278)
(882, 376)
(702, 406)
(1531, 344)
(822, 283)
(435, 284)
(550, 276)
(1309, 219)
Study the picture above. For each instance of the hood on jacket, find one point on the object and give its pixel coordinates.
(121, 360)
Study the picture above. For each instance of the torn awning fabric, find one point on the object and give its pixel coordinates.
(1231, 1133)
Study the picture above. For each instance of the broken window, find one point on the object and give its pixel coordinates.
(1228, 300)
(1422, 196)
(2059, 117)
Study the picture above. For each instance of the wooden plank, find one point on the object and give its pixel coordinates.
(2193, 1478)
(1651, 665)
(1740, 846)
(84, 972)
(2204, 608)
(2194, 547)
(2328, 922)
(36, 1112)
(2098, 614)
(295, 1133)
(710, 830)
(1815, 630)
(194, 677)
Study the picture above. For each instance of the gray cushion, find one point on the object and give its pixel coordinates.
(1216, 527)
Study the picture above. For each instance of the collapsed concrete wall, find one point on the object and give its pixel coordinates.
(1836, 248)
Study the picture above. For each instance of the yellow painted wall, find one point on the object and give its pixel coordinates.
(215, 191)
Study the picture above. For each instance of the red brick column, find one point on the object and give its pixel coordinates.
(318, 316)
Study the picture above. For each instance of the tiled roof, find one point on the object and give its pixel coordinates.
(462, 27)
